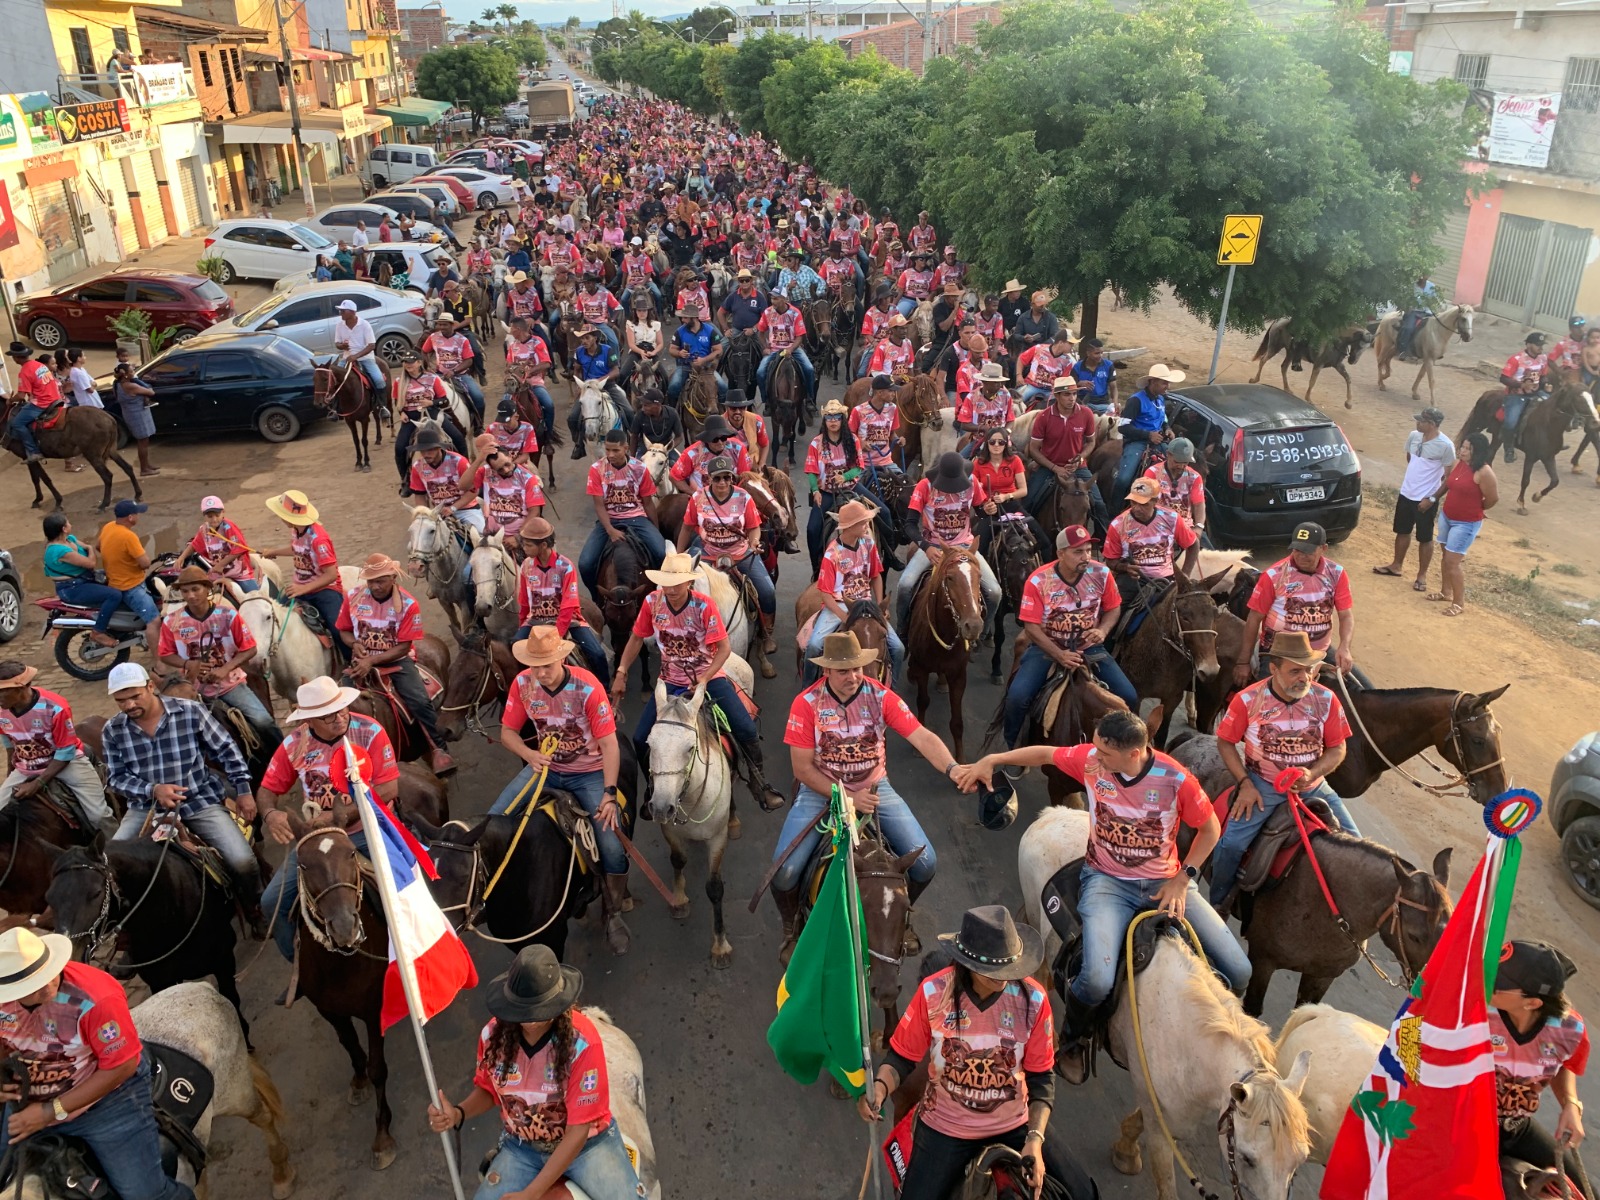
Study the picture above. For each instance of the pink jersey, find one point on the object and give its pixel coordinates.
(724, 526)
(639, 269)
(577, 712)
(83, 1028)
(547, 593)
(417, 394)
(213, 639)
(450, 354)
(985, 411)
(991, 327)
(828, 461)
(534, 1106)
(1148, 545)
(226, 538)
(922, 237)
(916, 284)
(847, 572)
(695, 294)
(686, 637)
(946, 516)
(623, 488)
(1280, 733)
(531, 357)
(782, 329)
(1567, 353)
(520, 303)
(846, 737)
(41, 734)
(507, 499)
(1067, 611)
(1525, 1063)
(1302, 601)
(379, 626)
(443, 484)
(1044, 368)
(874, 431)
(597, 306)
(689, 472)
(1520, 365)
(945, 272)
(313, 553)
(305, 757)
(875, 322)
(893, 360)
(524, 439)
(1182, 496)
(1133, 831)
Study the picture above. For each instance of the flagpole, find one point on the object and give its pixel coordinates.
(379, 853)
(845, 812)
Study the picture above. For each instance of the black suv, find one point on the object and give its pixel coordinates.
(1269, 461)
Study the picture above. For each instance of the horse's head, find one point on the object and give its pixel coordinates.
(1194, 622)
(886, 905)
(920, 401)
(1472, 744)
(1573, 400)
(459, 887)
(1018, 555)
(492, 575)
(957, 586)
(426, 537)
(1464, 314)
(82, 895)
(325, 382)
(591, 403)
(655, 458)
(1073, 502)
(777, 515)
(1266, 1124)
(1413, 926)
(472, 681)
(330, 884)
(674, 747)
(1354, 342)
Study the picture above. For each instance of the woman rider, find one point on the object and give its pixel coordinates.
(833, 464)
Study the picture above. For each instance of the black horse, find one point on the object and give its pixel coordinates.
(33, 834)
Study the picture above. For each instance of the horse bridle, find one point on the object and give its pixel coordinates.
(325, 399)
(924, 418)
(680, 816)
(1179, 632)
(896, 959)
(1391, 923)
(474, 706)
(470, 911)
(97, 934)
(309, 902)
(950, 605)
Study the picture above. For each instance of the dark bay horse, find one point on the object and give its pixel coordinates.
(785, 405)
(1542, 433)
(88, 433)
(919, 401)
(383, 705)
(33, 834)
(1330, 354)
(342, 389)
(844, 322)
(739, 364)
(819, 336)
(772, 492)
(528, 410)
(1390, 725)
(480, 677)
(621, 587)
(1174, 650)
(947, 620)
(1014, 556)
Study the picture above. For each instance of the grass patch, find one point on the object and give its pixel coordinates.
(1523, 543)
(1526, 599)
(1567, 569)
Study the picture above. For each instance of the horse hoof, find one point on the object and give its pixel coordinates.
(1538, 496)
(680, 912)
(1347, 404)
(39, 503)
(1575, 469)
(721, 960)
(383, 1159)
(360, 1093)
(1522, 510)
(1125, 1162)
(283, 1188)
(768, 671)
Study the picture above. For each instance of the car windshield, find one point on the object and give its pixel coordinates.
(260, 310)
(211, 293)
(1273, 454)
(311, 237)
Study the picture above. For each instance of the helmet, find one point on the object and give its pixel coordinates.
(997, 805)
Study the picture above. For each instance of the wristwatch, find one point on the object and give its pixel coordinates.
(60, 1110)
(611, 791)
(1191, 872)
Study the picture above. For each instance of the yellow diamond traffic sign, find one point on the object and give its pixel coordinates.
(1241, 236)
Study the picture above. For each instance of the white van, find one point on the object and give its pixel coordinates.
(397, 163)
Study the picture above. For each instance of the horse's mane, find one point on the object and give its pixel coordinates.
(862, 610)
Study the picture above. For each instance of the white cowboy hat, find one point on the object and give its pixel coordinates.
(675, 569)
(992, 373)
(29, 960)
(321, 697)
(1162, 371)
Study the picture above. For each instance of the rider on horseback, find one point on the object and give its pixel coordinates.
(695, 344)
(1523, 378)
(1142, 541)
(874, 326)
(875, 422)
(547, 594)
(316, 563)
(453, 358)
(893, 357)
(781, 332)
(595, 360)
(1058, 444)
(510, 491)
(420, 396)
(1042, 364)
(443, 479)
(1145, 421)
(655, 422)
(943, 504)
(359, 345)
(623, 494)
(513, 436)
(722, 523)
(527, 361)
(39, 392)
(222, 543)
(1302, 593)
(1183, 491)
(851, 571)
(689, 471)
(982, 407)
(749, 430)
(36, 729)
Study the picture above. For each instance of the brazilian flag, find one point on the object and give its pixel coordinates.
(818, 1025)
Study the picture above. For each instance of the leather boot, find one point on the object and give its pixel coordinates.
(789, 909)
(1072, 1055)
(910, 943)
(768, 620)
(613, 894)
(767, 796)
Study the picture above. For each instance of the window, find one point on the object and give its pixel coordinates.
(276, 239)
(156, 293)
(1473, 70)
(245, 235)
(1581, 92)
(177, 371)
(119, 38)
(82, 52)
(342, 218)
(205, 68)
(313, 308)
(228, 367)
(1192, 424)
(234, 56)
(379, 155)
(400, 156)
(107, 291)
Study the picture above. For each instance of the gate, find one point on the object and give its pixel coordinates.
(1535, 271)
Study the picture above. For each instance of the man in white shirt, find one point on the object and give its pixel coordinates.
(1429, 455)
(358, 344)
(359, 239)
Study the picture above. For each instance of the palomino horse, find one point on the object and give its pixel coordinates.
(1014, 557)
(600, 412)
(82, 432)
(434, 554)
(785, 404)
(692, 801)
(1209, 1065)
(494, 587)
(342, 389)
(947, 620)
(1542, 433)
(1331, 354)
(1428, 343)
(1174, 650)
(656, 460)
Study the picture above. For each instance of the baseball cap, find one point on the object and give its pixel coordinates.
(126, 508)
(126, 675)
(1073, 537)
(211, 504)
(1306, 535)
(1433, 416)
(1144, 490)
(347, 306)
(1533, 968)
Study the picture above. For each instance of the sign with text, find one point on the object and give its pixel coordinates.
(26, 121)
(1521, 129)
(158, 84)
(1241, 238)
(87, 122)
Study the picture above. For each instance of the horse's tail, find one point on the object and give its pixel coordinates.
(266, 1092)
(1297, 1018)
(1265, 346)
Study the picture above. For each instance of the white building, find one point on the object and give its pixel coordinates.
(821, 22)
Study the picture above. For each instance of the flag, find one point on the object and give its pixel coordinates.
(1426, 1123)
(427, 961)
(819, 1000)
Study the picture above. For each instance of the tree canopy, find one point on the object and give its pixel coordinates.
(471, 77)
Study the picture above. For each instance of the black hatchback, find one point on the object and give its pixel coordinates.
(1270, 461)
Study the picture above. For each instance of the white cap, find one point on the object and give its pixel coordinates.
(126, 675)
(347, 306)
(638, 241)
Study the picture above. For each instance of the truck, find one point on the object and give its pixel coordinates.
(552, 108)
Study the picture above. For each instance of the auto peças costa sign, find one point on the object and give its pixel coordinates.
(86, 122)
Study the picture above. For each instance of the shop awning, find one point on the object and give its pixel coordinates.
(414, 111)
(273, 129)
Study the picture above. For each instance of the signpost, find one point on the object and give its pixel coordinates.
(1241, 238)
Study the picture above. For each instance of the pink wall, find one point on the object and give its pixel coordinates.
(1483, 219)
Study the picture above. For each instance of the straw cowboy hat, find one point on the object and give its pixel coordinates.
(675, 569)
(22, 678)
(192, 574)
(538, 987)
(841, 652)
(835, 408)
(379, 566)
(853, 512)
(29, 960)
(1292, 645)
(990, 944)
(541, 647)
(1162, 371)
(992, 373)
(293, 506)
(321, 697)
(1013, 285)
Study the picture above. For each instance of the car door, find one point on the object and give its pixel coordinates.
(307, 321)
(87, 311)
(401, 165)
(244, 249)
(176, 380)
(339, 222)
(282, 254)
(230, 391)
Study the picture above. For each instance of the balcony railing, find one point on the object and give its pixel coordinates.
(142, 86)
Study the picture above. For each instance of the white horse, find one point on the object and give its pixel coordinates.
(655, 461)
(1209, 1061)
(1345, 1048)
(434, 554)
(289, 653)
(458, 407)
(921, 323)
(742, 631)
(625, 1085)
(1428, 343)
(691, 801)
(600, 412)
(939, 441)
(494, 586)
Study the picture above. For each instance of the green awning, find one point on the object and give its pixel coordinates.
(413, 111)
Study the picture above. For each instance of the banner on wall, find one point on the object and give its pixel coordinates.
(1522, 127)
(86, 122)
(158, 84)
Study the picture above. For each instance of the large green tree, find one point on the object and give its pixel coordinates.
(478, 79)
(790, 93)
(741, 77)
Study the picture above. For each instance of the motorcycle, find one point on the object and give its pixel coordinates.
(78, 654)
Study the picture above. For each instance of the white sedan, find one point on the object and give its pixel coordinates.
(339, 221)
(492, 189)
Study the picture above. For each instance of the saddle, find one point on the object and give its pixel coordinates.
(1277, 844)
(1149, 594)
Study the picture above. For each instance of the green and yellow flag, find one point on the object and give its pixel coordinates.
(819, 1008)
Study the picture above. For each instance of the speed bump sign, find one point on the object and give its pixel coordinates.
(1241, 237)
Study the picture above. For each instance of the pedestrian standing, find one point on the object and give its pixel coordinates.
(1429, 454)
(1468, 492)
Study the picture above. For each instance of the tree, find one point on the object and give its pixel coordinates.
(712, 24)
(507, 13)
(741, 76)
(471, 77)
(574, 23)
(527, 51)
(790, 93)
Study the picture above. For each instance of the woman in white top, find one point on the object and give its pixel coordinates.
(647, 346)
(80, 382)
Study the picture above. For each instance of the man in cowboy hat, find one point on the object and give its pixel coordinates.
(797, 279)
(693, 645)
(547, 594)
(1287, 723)
(742, 307)
(943, 504)
(68, 1026)
(316, 563)
(1042, 364)
(722, 524)
(749, 430)
(894, 356)
(36, 728)
(381, 623)
(983, 407)
(782, 332)
(442, 479)
(1144, 422)
(527, 364)
(39, 392)
(158, 751)
(210, 644)
(595, 360)
(1304, 591)
(874, 326)
(1058, 445)
(695, 345)
(1142, 541)
(1137, 795)
(453, 358)
(850, 571)
(356, 341)
(836, 736)
(715, 438)
(551, 700)
(1036, 326)
(313, 754)
(420, 396)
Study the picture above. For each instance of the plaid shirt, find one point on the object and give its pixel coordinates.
(186, 738)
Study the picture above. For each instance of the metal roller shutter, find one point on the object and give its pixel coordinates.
(188, 187)
(55, 221)
(1450, 244)
(155, 217)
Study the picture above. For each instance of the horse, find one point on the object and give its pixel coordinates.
(819, 335)
(1070, 504)
(480, 676)
(1390, 725)
(741, 360)
(288, 651)
(1343, 1048)
(347, 394)
(1211, 1066)
(494, 587)
(1543, 433)
(1014, 557)
(692, 801)
(382, 703)
(1332, 353)
(785, 395)
(656, 460)
(1174, 649)
(1428, 343)
(947, 619)
(698, 400)
(921, 322)
(625, 1087)
(33, 833)
(600, 412)
(919, 402)
(862, 618)
(620, 588)
(479, 308)
(435, 554)
(773, 495)
(842, 318)
(528, 410)
(91, 434)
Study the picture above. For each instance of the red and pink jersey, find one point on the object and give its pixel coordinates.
(379, 626)
(947, 272)
(85, 1027)
(828, 461)
(547, 593)
(212, 639)
(922, 237)
(313, 553)
(1133, 830)
(416, 395)
(507, 499)
(226, 538)
(1148, 545)
(524, 439)
(534, 1105)
(1521, 365)
(305, 757)
(562, 251)
(531, 357)
(597, 306)
(686, 637)
(1567, 353)
(978, 1056)
(639, 269)
(695, 294)
(747, 258)
(577, 713)
(1525, 1063)
(1180, 496)
(1279, 733)
(443, 484)
(892, 359)
(847, 572)
(724, 526)
(520, 303)
(916, 284)
(782, 329)
(981, 409)
(450, 354)
(992, 327)
(874, 431)
(946, 516)
(1067, 611)
(846, 737)
(480, 262)
(689, 472)
(622, 489)
(1043, 367)
(1302, 601)
(41, 734)
(837, 273)
(875, 322)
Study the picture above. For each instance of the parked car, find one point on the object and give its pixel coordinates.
(1269, 461)
(432, 202)
(309, 313)
(456, 187)
(264, 248)
(227, 382)
(396, 164)
(1574, 811)
(340, 220)
(491, 190)
(11, 593)
(81, 313)
(416, 259)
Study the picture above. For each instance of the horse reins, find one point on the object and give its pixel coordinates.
(102, 867)
(308, 902)
(933, 627)
(334, 391)
(1453, 784)
(682, 817)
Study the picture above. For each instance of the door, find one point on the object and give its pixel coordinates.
(176, 381)
(282, 254)
(244, 250)
(91, 307)
(155, 215)
(309, 322)
(230, 392)
(1535, 271)
(190, 187)
(1450, 243)
(340, 222)
(400, 166)
(55, 220)
(166, 305)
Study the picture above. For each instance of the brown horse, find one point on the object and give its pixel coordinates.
(383, 705)
(785, 395)
(919, 401)
(842, 317)
(88, 433)
(1069, 504)
(698, 400)
(1542, 433)
(1390, 725)
(342, 389)
(1331, 354)
(947, 620)
(1428, 343)
(1175, 648)
(1014, 556)
(1082, 705)
(480, 677)
(819, 336)
(886, 918)
(33, 833)
(528, 410)
(863, 618)
(772, 492)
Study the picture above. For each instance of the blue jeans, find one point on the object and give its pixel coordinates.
(547, 411)
(721, 692)
(1132, 452)
(1033, 396)
(753, 569)
(214, 826)
(899, 824)
(594, 546)
(121, 1130)
(1034, 668)
(1108, 904)
(602, 1168)
(680, 376)
(328, 602)
(828, 621)
(589, 788)
(588, 643)
(1513, 406)
(142, 603)
(282, 891)
(626, 299)
(906, 305)
(86, 593)
(22, 428)
(861, 363)
(374, 373)
(798, 353)
(1241, 831)
(470, 389)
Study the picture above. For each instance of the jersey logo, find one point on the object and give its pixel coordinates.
(108, 1033)
(590, 1081)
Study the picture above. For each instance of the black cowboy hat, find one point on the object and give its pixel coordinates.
(430, 437)
(950, 473)
(536, 988)
(716, 426)
(736, 399)
(997, 805)
(18, 350)
(993, 945)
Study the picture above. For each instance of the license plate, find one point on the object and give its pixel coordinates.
(1301, 495)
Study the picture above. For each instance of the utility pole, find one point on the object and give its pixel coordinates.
(294, 108)
(927, 34)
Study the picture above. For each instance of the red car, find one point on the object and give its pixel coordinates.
(458, 188)
(80, 313)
